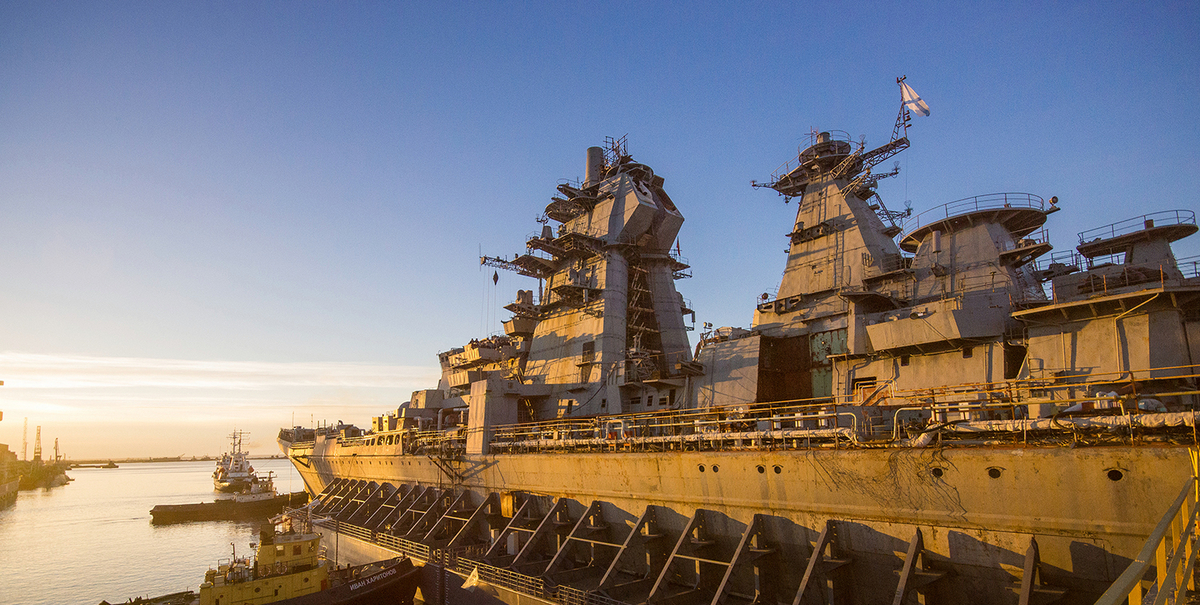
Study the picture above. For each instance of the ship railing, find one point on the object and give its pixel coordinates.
(413, 550)
(1189, 266)
(354, 441)
(460, 561)
(894, 262)
(1049, 379)
(498, 576)
(857, 415)
(1102, 260)
(1127, 275)
(595, 232)
(1066, 258)
(787, 167)
(568, 595)
(1170, 552)
(1138, 223)
(715, 428)
(1131, 393)
(995, 283)
(939, 413)
(1041, 236)
(698, 420)
(445, 440)
(989, 201)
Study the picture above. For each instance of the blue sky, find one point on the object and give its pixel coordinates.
(220, 214)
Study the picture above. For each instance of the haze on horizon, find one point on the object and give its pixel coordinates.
(223, 215)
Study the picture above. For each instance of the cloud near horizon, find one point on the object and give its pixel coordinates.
(39, 371)
(81, 390)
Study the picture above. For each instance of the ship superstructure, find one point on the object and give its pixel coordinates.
(946, 398)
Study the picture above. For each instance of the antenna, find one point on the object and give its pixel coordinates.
(904, 118)
(615, 152)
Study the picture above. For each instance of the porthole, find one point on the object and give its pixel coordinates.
(1115, 474)
(937, 472)
(761, 469)
(994, 472)
(716, 468)
(778, 469)
(702, 468)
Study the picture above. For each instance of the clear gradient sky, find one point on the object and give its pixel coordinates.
(240, 214)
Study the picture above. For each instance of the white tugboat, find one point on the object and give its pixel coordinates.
(234, 472)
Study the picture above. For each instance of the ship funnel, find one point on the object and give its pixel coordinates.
(595, 166)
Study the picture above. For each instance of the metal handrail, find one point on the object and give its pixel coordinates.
(787, 167)
(988, 201)
(1189, 266)
(1138, 223)
(738, 422)
(1164, 551)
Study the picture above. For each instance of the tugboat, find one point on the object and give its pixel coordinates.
(288, 569)
(234, 473)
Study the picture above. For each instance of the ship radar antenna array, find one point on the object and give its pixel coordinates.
(615, 151)
(904, 118)
(790, 179)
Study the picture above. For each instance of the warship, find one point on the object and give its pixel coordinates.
(933, 406)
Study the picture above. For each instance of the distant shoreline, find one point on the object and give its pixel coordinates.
(74, 461)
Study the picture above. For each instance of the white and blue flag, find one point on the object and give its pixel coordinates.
(912, 100)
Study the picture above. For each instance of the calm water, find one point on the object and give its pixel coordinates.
(92, 539)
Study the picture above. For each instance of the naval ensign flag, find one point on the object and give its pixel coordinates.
(913, 100)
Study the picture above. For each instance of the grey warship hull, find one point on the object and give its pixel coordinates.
(925, 410)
